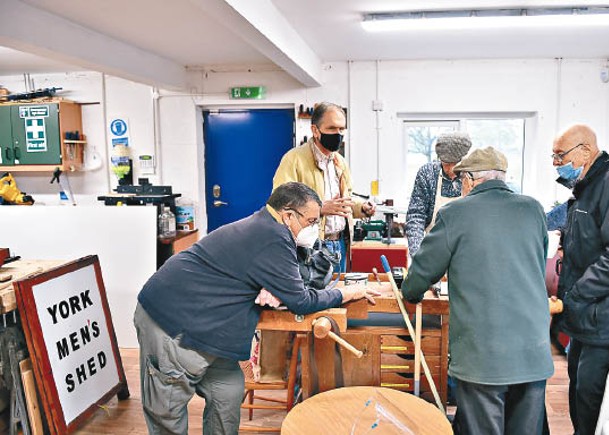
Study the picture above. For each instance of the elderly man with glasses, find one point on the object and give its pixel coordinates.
(584, 279)
(196, 315)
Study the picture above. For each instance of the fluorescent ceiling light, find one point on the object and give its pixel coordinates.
(486, 19)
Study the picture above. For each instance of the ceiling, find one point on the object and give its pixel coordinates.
(157, 41)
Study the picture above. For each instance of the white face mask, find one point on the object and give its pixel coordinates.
(307, 236)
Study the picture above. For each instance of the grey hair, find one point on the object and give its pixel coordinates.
(292, 195)
(489, 175)
(321, 109)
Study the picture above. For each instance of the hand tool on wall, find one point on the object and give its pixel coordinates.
(64, 184)
(411, 331)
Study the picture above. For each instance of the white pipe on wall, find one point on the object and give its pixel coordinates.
(105, 128)
(156, 123)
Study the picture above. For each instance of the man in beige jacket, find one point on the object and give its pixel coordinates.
(318, 165)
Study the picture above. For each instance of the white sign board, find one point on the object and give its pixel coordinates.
(70, 337)
(77, 339)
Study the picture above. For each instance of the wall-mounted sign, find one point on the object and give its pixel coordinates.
(119, 131)
(248, 93)
(70, 337)
(35, 129)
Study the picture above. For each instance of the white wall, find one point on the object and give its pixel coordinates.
(124, 239)
(558, 92)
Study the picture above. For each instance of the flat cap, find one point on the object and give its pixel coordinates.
(482, 159)
(451, 147)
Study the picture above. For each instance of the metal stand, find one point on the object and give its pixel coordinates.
(389, 224)
(12, 351)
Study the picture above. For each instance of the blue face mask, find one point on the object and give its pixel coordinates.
(568, 172)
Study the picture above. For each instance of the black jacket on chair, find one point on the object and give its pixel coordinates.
(584, 279)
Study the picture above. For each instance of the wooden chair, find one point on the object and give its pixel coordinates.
(250, 398)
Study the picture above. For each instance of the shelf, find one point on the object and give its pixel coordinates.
(31, 168)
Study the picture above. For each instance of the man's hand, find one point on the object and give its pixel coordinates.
(337, 206)
(359, 291)
(369, 208)
(266, 298)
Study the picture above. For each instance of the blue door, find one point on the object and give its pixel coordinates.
(243, 149)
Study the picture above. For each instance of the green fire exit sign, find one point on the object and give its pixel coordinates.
(248, 93)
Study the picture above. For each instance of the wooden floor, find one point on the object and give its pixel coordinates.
(125, 417)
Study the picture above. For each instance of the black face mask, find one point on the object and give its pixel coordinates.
(331, 142)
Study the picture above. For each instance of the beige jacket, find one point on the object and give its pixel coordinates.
(299, 164)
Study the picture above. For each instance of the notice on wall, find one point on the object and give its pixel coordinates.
(119, 130)
(71, 340)
(35, 129)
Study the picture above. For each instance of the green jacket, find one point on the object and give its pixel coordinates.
(299, 164)
(493, 245)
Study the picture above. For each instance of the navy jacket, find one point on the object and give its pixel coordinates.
(584, 279)
(207, 292)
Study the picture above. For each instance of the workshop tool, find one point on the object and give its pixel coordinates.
(375, 272)
(417, 348)
(411, 331)
(322, 328)
(556, 305)
(38, 93)
(10, 194)
(12, 351)
(64, 184)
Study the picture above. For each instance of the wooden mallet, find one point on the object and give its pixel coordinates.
(322, 328)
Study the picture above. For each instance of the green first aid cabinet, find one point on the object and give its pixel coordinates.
(31, 134)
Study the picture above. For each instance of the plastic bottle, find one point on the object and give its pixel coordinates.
(167, 224)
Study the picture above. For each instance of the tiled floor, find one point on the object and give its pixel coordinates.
(126, 417)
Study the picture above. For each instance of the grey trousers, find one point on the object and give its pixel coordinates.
(500, 409)
(170, 375)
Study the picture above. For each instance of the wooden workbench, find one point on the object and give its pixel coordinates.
(388, 350)
(17, 270)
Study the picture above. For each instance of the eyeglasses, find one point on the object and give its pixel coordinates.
(559, 156)
(464, 175)
(310, 221)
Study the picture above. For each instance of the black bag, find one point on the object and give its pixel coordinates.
(316, 265)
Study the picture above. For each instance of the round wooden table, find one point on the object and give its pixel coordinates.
(359, 410)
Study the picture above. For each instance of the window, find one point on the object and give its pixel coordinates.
(504, 134)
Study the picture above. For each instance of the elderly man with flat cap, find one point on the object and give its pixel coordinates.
(492, 243)
(435, 185)
(584, 279)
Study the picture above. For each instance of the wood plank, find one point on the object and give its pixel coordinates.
(362, 371)
(21, 269)
(31, 397)
(276, 320)
(185, 241)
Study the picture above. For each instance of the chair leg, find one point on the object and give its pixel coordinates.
(251, 402)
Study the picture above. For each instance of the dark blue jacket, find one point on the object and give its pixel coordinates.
(584, 279)
(207, 292)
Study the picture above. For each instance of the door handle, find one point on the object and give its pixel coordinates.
(218, 203)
